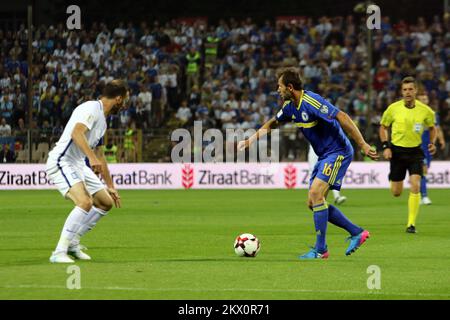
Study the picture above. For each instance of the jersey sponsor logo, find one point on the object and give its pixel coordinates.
(324, 109)
(305, 116)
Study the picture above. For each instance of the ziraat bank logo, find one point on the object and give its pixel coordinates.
(243, 177)
(187, 176)
(35, 178)
(142, 178)
(370, 178)
(290, 176)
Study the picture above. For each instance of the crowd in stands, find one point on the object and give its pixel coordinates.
(223, 75)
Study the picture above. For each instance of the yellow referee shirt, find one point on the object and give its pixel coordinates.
(407, 124)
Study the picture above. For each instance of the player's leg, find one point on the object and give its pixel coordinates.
(397, 174)
(70, 184)
(415, 169)
(324, 172)
(83, 203)
(312, 161)
(338, 198)
(335, 216)
(102, 203)
(423, 181)
(413, 202)
(316, 201)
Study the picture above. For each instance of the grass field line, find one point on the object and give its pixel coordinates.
(374, 292)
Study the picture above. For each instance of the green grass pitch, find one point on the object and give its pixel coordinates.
(179, 245)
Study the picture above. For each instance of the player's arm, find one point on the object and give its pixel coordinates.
(79, 138)
(352, 130)
(384, 137)
(265, 129)
(433, 136)
(440, 137)
(106, 175)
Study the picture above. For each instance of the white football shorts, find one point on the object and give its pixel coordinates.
(64, 175)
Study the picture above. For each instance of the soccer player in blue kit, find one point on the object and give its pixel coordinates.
(321, 123)
(422, 96)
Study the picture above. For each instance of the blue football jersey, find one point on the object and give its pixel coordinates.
(316, 118)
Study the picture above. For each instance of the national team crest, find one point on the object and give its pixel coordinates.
(305, 116)
(324, 109)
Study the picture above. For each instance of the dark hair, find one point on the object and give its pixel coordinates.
(291, 76)
(422, 91)
(409, 80)
(115, 88)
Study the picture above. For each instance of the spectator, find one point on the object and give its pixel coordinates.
(6, 107)
(157, 106)
(7, 155)
(21, 134)
(145, 97)
(192, 68)
(5, 128)
(184, 114)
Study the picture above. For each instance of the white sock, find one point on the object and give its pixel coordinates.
(88, 223)
(72, 224)
(336, 194)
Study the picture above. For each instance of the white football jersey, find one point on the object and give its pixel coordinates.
(91, 115)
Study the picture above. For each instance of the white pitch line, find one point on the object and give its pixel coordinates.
(229, 290)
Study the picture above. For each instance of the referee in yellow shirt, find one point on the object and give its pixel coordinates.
(407, 119)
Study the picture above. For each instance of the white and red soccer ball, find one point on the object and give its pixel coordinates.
(246, 245)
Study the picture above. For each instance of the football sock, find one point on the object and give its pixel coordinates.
(320, 222)
(336, 194)
(91, 219)
(423, 186)
(336, 217)
(413, 208)
(72, 224)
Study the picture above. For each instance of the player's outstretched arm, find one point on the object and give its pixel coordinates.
(352, 130)
(79, 138)
(106, 175)
(265, 129)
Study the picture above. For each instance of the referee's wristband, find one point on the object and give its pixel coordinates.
(385, 145)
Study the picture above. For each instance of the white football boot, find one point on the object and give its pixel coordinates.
(340, 200)
(425, 201)
(77, 253)
(60, 257)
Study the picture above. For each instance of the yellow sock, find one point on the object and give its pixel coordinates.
(413, 208)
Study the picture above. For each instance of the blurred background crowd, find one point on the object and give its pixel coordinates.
(221, 74)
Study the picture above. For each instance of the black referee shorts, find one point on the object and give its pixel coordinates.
(405, 159)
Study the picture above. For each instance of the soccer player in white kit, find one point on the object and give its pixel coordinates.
(312, 160)
(67, 168)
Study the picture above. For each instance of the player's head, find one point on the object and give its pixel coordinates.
(117, 90)
(409, 89)
(289, 80)
(422, 96)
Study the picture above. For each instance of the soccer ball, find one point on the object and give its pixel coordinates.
(246, 245)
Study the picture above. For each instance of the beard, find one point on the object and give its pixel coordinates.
(116, 108)
(287, 96)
